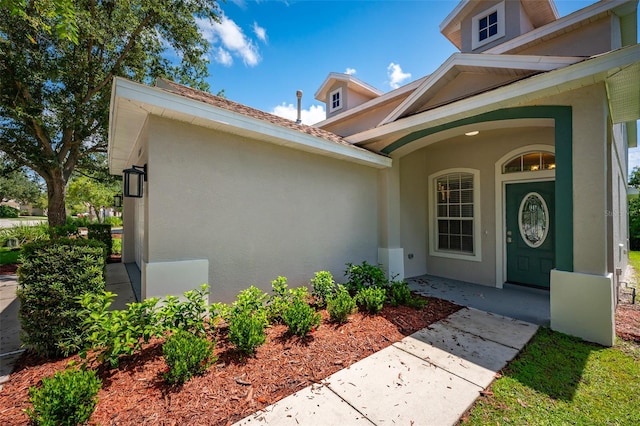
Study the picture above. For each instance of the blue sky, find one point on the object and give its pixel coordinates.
(263, 51)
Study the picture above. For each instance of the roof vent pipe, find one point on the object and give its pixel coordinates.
(299, 96)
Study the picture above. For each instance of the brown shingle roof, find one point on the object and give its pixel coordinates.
(219, 102)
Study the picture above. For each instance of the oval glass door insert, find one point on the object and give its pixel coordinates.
(533, 219)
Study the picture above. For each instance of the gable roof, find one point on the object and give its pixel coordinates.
(540, 12)
(354, 84)
(132, 103)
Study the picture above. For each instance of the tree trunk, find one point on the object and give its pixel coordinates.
(56, 192)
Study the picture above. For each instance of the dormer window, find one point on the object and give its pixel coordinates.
(488, 26)
(335, 100)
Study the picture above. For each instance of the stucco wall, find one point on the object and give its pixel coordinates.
(255, 210)
(479, 152)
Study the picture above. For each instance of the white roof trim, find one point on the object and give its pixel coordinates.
(552, 27)
(572, 77)
(520, 62)
(169, 104)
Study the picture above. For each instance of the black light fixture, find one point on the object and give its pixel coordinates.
(133, 181)
(117, 200)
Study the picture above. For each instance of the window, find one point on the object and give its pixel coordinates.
(455, 228)
(488, 26)
(335, 100)
(530, 162)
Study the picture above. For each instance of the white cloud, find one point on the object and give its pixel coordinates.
(232, 40)
(313, 115)
(260, 32)
(350, 71)
(223, 57)
(396, 76)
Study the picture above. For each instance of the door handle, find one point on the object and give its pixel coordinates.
(509, 239)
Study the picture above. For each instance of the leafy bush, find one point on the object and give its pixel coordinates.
(25, 234)
(52, 275)
(372, 299)
(111, 334)
(300, 317)
(187, 314)
(8, 211)
(101, 232)
(323, 286)
(113, 220)
(186, 356)
(116, 246)
(365, 275)
(67, 398)
(247, 330)
(341, 305)
(279, 301)
(248, 319)
(399, 294)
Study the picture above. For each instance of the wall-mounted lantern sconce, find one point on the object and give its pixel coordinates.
(133, 181)
(117, 200)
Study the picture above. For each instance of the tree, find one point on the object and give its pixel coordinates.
(16, 185)
(54, 94)
(41, 14)
(634, 211)
(92, 193)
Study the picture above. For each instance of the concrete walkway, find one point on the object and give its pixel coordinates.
(429, 378)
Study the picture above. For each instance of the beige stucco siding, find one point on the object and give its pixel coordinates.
(480, 153)
(255, 210)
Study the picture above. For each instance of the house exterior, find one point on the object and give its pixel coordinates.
(507, 164)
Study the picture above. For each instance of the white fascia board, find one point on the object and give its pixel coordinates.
(248, 126)
(519, 62)
(571, 77)
(373, 103)
(454, 14)
(566, 22)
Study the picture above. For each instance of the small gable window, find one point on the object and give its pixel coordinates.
(488, 26)
(335, 100)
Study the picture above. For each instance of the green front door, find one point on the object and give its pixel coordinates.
(530, 234)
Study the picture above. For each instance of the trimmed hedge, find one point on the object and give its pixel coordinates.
(101, 232)
(8, 211)
(53, 273)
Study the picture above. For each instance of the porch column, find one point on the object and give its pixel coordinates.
(390, 252)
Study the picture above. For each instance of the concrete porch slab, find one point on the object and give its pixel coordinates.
(395, 387)
(312, 405)
(506, 331)
(463, 354)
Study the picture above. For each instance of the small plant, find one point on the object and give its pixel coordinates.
(67, 398)
(399, 294)
(251, 299)
(279, 301)
(25, 234)
(186, 356)
(365, 275)
(323, 286)
(300, 317)
(372, 299)
(247, 329)
(187, 314)
(116, 246)
(101, 232)
(341, 305)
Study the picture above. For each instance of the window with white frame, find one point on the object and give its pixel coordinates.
(488, 26)
(455, 225)
(335, 100)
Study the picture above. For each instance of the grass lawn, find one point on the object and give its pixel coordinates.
(558, 380)
(8, 256)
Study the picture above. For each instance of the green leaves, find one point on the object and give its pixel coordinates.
(186, 356)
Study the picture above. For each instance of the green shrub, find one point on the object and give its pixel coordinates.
(25, 234)
(251, 299)
(186, 356)
(110, 334)
(8, 211)
(247, 330)
(399, 294)
(113, 220)
(341, 305)
(365, 275)
(323, 286)
(52, 275)
(372, 299)
(279, 301)
(186, 314)
(116, 246)
(67, 398)
(301, 318)
(101, 232)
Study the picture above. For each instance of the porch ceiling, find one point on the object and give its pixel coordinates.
(623, 92)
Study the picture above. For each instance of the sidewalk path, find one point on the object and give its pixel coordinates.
(429, 378)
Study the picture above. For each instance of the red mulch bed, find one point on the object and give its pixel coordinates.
(628, 322)
(8, 269)
(236, 386)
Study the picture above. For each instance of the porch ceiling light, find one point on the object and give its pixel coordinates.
(117, 200)
(472, 133)
(134, 179)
